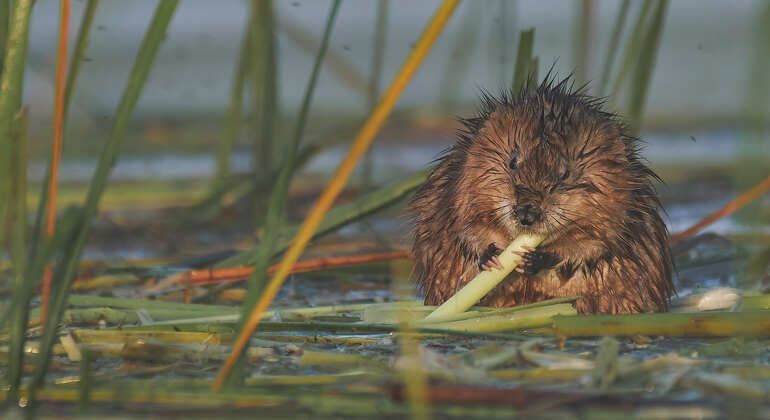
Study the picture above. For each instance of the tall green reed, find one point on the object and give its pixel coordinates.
(755, 116)
(373, 91)
(526, 64)
(66, 269)
(584, 24)
(22, 286)
(264, 84)
(645, 65)
(275, 212)
(612, 49)
(11, 84)
(234, 113)
(13, 182)
(5, 14)
(630, 52)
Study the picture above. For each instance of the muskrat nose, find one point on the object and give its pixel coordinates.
(527, 214)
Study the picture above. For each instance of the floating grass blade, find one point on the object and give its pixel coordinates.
(702, 324)
(67, 268)
(343, 214)
(11, 84)
(612, 50)
(233, 116)
(645, 66)
(366, 134)
(275, 211)
(523, 60)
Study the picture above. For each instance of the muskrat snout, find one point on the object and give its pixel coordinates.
(527, 214)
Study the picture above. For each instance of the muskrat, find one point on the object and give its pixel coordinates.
(548, 160)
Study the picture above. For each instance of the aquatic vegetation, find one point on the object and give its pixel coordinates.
(314, 314)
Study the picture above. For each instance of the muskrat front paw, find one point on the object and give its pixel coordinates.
(534, 261)
(489, 260)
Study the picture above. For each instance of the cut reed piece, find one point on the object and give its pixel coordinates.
(708, 324)
(485, 281)
(520, 320)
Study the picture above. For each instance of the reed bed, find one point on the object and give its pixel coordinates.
(140, 348)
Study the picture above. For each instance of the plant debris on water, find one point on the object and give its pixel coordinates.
(156, 286)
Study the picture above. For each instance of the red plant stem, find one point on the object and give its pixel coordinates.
(220, 275)
(730, 208)
(58, 132)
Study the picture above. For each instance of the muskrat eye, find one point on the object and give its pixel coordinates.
(564, 175)
(514, 162)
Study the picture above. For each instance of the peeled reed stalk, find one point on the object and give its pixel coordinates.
(530, 318)
(485, 281)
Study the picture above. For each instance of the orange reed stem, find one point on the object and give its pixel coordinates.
(58, 133)
(366, 134)
(730, 208)
(221, 275)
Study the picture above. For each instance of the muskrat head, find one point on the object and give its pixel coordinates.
(549, 161)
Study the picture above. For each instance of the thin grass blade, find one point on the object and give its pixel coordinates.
(67, 268)
(275, 212)
(233, 116)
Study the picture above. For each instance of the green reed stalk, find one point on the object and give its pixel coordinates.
(79, 51)
(524, 61)
(584, 22)
(373, 91)
(66, 270)
(234, 114)
(612, 49)
(22, 286)
(275, 211)
(11, 83)
(631, 51)
(5, 14)
(748, 170)
(263, 78)
(645, 66)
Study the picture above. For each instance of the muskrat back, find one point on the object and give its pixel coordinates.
(549, 161)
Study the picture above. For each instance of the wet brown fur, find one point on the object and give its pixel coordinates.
(601, 220)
